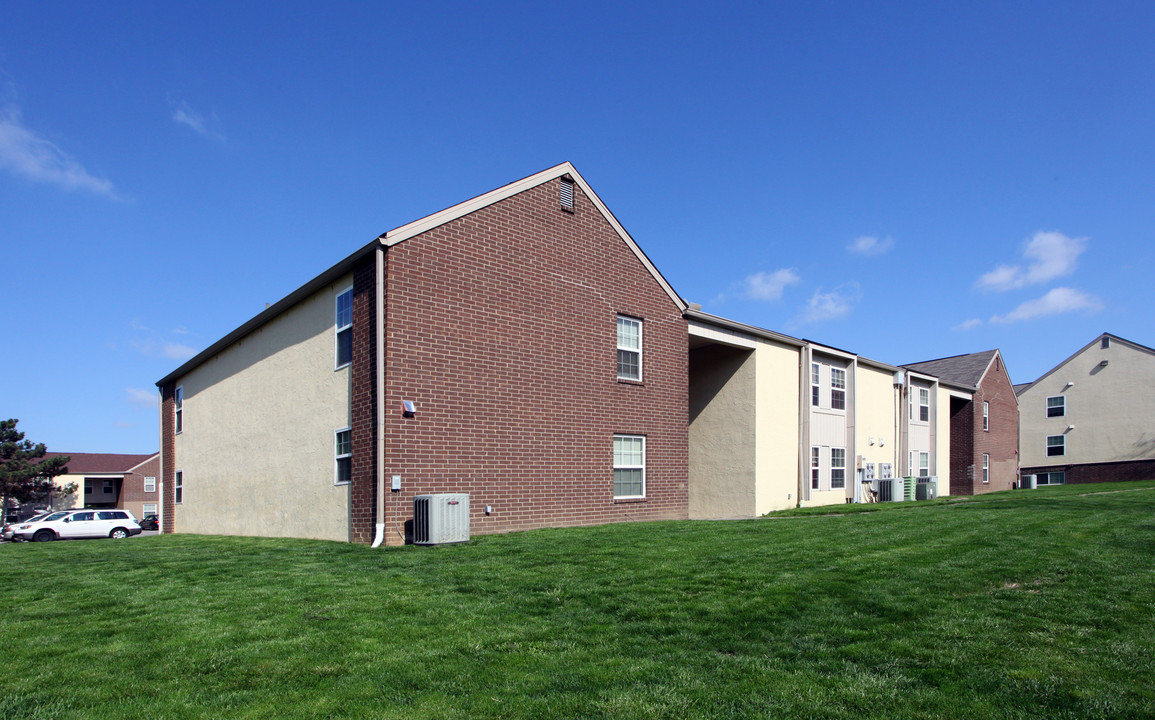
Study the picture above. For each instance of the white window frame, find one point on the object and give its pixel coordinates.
(1048, 475)
(1062, 406)
(815, 468)
(340, 328)
(986, 469)
(923, 464)
(145, 512)
(924, 407)
(150, 484)
(838, 388)
(338, 456)
(178, 409)
(1062, 445)
(835, 469)
(986, 416)
(627, 349)
(629, 466)
(815, 385)
(178, 487)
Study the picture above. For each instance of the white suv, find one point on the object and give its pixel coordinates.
(80, 524)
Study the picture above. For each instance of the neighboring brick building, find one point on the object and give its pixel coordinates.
(984, 421)
(1092, 417)
(110, 480)
(543, 354)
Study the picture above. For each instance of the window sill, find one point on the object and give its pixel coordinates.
(628, 500)
(627, 381)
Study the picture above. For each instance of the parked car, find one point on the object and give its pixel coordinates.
(150, 522)
(81, 524)
(9, 532)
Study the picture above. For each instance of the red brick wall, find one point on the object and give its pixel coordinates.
(1001, 442)
(962, 446)
(132, 494)
(364, 398)
(1100, 472)
(502, 328)
(168, 459)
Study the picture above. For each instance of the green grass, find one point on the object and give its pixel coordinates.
(1014, 605)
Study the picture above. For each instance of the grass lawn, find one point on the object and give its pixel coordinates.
(1030, 604)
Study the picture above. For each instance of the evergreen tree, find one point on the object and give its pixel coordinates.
(24, 473)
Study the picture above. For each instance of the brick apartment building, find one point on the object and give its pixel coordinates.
(984, 421)
(518, 347)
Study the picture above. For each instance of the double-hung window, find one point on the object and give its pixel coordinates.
(837, 468)
(986, 416)
(178, 488)
(837, 388)
(343, 453)
(986, 469)
(924, 464)
(150, 484)
(924, 404)
(815, 384)
(629, 348)
(1056, 445)
(815, 465)
(629, 466)
(178, 404)
(344, 324)
(1056, 406)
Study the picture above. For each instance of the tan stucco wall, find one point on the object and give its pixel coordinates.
(877, 429)
(941, 459)
(257, 452)
(74, 500)
(1112, 408)
(779, 434)
(722, 433)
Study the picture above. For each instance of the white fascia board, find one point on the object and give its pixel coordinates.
(823, 350)
(429, 222)
(724, 336)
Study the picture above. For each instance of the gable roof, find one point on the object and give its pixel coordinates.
(1020, 389)
(409, 230)
(101, 463)
(962, 370)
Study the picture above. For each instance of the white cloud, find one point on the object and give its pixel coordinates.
(25, 153)
(870, 245)
(968, 324)
(1049, 255)
(769, 286)
(833, 304)
(1058, 301)
(183, 114)
(141, 398)
(176, 351)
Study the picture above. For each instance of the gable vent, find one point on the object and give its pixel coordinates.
(567, 194)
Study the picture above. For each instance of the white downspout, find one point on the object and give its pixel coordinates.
(379, 332)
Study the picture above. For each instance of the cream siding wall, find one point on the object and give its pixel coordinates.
(921, 439)
(778, 431)
(941, 460)
(1111, 407)
(877, 427)
(277, 483)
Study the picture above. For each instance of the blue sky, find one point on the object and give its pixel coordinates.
(907, 181)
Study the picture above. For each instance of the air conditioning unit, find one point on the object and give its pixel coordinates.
(441, 518)
(909, 487)
(926, 489)
(1030, 482)
(890, 490)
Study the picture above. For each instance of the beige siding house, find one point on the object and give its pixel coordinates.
(1092, 417)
